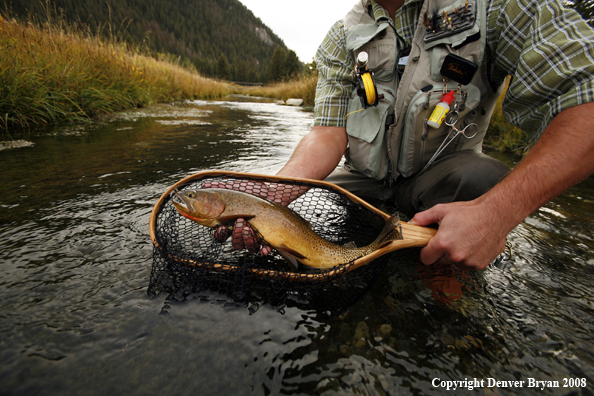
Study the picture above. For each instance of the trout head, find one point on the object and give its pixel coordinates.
(201, 206)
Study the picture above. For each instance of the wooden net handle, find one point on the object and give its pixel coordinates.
(413, 236)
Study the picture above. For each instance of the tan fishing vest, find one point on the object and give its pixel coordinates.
(393, 138)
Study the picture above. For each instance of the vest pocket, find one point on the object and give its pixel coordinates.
(366, 131)
(420, 141)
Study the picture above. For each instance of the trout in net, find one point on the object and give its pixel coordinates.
(279, 226)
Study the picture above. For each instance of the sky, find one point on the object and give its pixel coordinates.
(301, 24)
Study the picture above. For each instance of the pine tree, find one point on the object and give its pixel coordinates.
(291, 65)
(223, 69)
(196, 31)
(275, 72)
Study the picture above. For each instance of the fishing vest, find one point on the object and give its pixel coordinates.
(393, 139)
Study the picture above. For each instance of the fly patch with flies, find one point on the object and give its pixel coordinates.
(449, 22)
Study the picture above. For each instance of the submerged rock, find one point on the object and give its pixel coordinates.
(10, 144)
(385, 330)
(361, 335)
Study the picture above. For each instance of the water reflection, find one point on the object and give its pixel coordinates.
(76, 260)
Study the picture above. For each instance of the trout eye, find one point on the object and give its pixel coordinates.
(191, 195)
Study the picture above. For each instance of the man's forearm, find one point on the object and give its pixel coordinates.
(473, 233)
(562, 157)
(318, 153)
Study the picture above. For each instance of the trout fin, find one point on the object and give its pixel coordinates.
(392, 231)
(291, 256)
(383, 244)
(350, 245)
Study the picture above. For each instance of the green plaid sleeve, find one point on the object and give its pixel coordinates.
(335, 78)
(549, 50)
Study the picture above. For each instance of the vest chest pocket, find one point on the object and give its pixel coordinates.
(420, 141)
(379, 41)
(366, 131)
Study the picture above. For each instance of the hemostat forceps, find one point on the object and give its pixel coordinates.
(469, 131)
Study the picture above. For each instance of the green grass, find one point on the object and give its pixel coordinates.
(504, 136)
(302, 87)
(51, 74)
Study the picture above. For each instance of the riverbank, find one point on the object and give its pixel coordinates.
(52, 74)
(302, 87)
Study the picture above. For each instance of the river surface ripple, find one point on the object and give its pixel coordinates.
(76, 259)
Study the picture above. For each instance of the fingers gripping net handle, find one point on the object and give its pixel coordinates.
(183, 248)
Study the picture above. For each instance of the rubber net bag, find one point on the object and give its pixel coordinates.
(187, 258)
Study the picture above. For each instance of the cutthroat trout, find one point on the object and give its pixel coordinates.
(281, 228)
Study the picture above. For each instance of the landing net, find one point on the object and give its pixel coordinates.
(188, 258)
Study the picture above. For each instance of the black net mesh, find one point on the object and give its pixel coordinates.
(190, 258)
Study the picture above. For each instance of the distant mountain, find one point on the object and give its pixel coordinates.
(222, 38)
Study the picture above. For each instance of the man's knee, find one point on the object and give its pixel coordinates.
(461, 176)
(362, 186)
(471, 179)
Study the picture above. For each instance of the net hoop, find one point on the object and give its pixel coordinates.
(322, 276)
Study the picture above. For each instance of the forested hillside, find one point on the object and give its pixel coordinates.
(222, 38)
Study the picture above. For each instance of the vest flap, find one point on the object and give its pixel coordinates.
(359, 35)
(455, 39)
(366, 124)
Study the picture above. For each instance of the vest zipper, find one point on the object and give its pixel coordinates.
(424, 139)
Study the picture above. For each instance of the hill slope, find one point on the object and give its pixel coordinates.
(222, 38)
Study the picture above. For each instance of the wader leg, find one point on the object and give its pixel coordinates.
(371, 190)
(459, 176)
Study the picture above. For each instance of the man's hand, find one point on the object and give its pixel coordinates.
(467, 235)
(473, 233)
(242, 236)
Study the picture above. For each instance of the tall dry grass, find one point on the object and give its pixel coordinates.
(503, 135)
(51, 73)
(302, 87)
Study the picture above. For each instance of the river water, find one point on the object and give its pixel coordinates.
(76, 258)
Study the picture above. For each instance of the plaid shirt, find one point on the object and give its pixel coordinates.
(546, 47)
